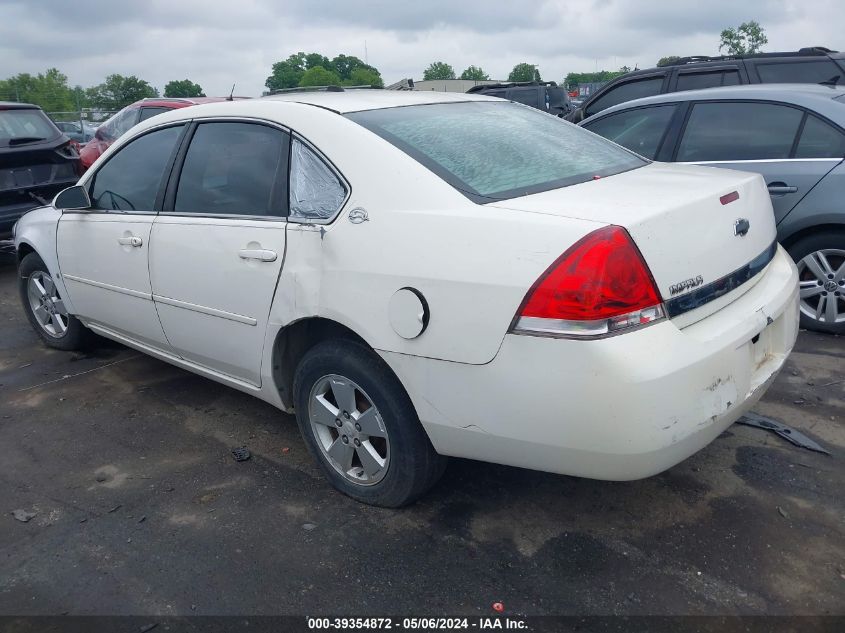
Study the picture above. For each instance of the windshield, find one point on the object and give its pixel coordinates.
(24, 126)
(497, 150)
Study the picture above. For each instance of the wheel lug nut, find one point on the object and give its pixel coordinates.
(345, 440)
(357, 442)
(357, 427)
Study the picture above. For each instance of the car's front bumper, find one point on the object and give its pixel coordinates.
(620, 408)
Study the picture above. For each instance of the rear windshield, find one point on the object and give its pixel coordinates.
(495, 151)
(19, 127)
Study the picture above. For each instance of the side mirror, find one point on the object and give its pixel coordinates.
(73, 198)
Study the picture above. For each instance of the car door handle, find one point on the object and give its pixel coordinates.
(130, 241)
(257, 253)
(781, 188)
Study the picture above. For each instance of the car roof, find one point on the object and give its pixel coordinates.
(812, 96)
(346, 101)
(14, 105)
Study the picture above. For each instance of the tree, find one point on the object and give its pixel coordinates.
(747, 38)
(524, 72)
(438, 70)
(118, 91)
(48, 90)
(183, 88)
(289, 73)
(475, 73)
(666, 61)
(364, 77)
(319, 76)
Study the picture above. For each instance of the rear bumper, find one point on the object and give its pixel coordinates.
(619, 408)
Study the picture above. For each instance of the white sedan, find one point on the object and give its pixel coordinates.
(419, 275)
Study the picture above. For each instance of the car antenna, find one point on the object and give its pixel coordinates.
(231, 94)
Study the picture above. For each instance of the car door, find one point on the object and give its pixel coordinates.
(103, 250)
(218, 245)
(755, 136)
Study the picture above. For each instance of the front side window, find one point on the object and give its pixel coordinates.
(820, 140)
(813, 72)
(739, 131)
(697, 81)
(234, 168)
(627, 91)
(315, 191)
(639, 129)
(495, 151)
(131, 178)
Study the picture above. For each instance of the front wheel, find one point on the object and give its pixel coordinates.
(821, 272)
(45, 308)
(360, 425)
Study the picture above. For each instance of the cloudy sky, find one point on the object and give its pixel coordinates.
(217, 43)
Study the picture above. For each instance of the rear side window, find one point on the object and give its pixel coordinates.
(626, 92)
(639, 129)
(234, 168)
(739, 131)
(131, 178)
(495, 151)
(809, 72)
(697, 81)
(820, 140)
(146, 113)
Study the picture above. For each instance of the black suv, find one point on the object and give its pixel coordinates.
(807, 66)
(36, 161)
(543, 95)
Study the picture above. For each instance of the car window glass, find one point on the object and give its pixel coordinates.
(130, 180)
(233, 168)
(146, 113)
(639, 129)
(799, 72)
(739, 131)
(696, 81)
(820, 140)
(315, 191)
(626, 92)
(119, 124)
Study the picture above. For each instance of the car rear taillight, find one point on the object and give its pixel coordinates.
(601, 285)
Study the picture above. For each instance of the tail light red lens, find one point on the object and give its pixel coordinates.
(598, 286)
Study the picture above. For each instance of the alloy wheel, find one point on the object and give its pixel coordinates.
(46, 304)
(349, 429)
(821, 277)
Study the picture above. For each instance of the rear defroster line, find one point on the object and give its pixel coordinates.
(787, 433)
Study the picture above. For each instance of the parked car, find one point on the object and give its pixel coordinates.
(76, 132)
(809, 65)
(423, 274)
(114, 127)
(543, 95)
(794, 135)
(36, 161)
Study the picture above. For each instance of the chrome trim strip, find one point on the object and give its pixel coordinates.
(99, 284)
(231, 316)
(760, 160)
(720, 287)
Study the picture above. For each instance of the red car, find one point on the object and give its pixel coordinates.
(141, 110)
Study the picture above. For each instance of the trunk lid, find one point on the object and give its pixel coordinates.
(688, 232)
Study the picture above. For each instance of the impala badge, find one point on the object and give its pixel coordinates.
(741, 227)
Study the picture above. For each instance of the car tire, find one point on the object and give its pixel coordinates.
(821, 267)
(389, 461)
(44, 308)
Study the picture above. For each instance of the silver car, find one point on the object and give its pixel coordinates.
(792, 134)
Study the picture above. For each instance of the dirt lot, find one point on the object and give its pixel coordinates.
(140, 509)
